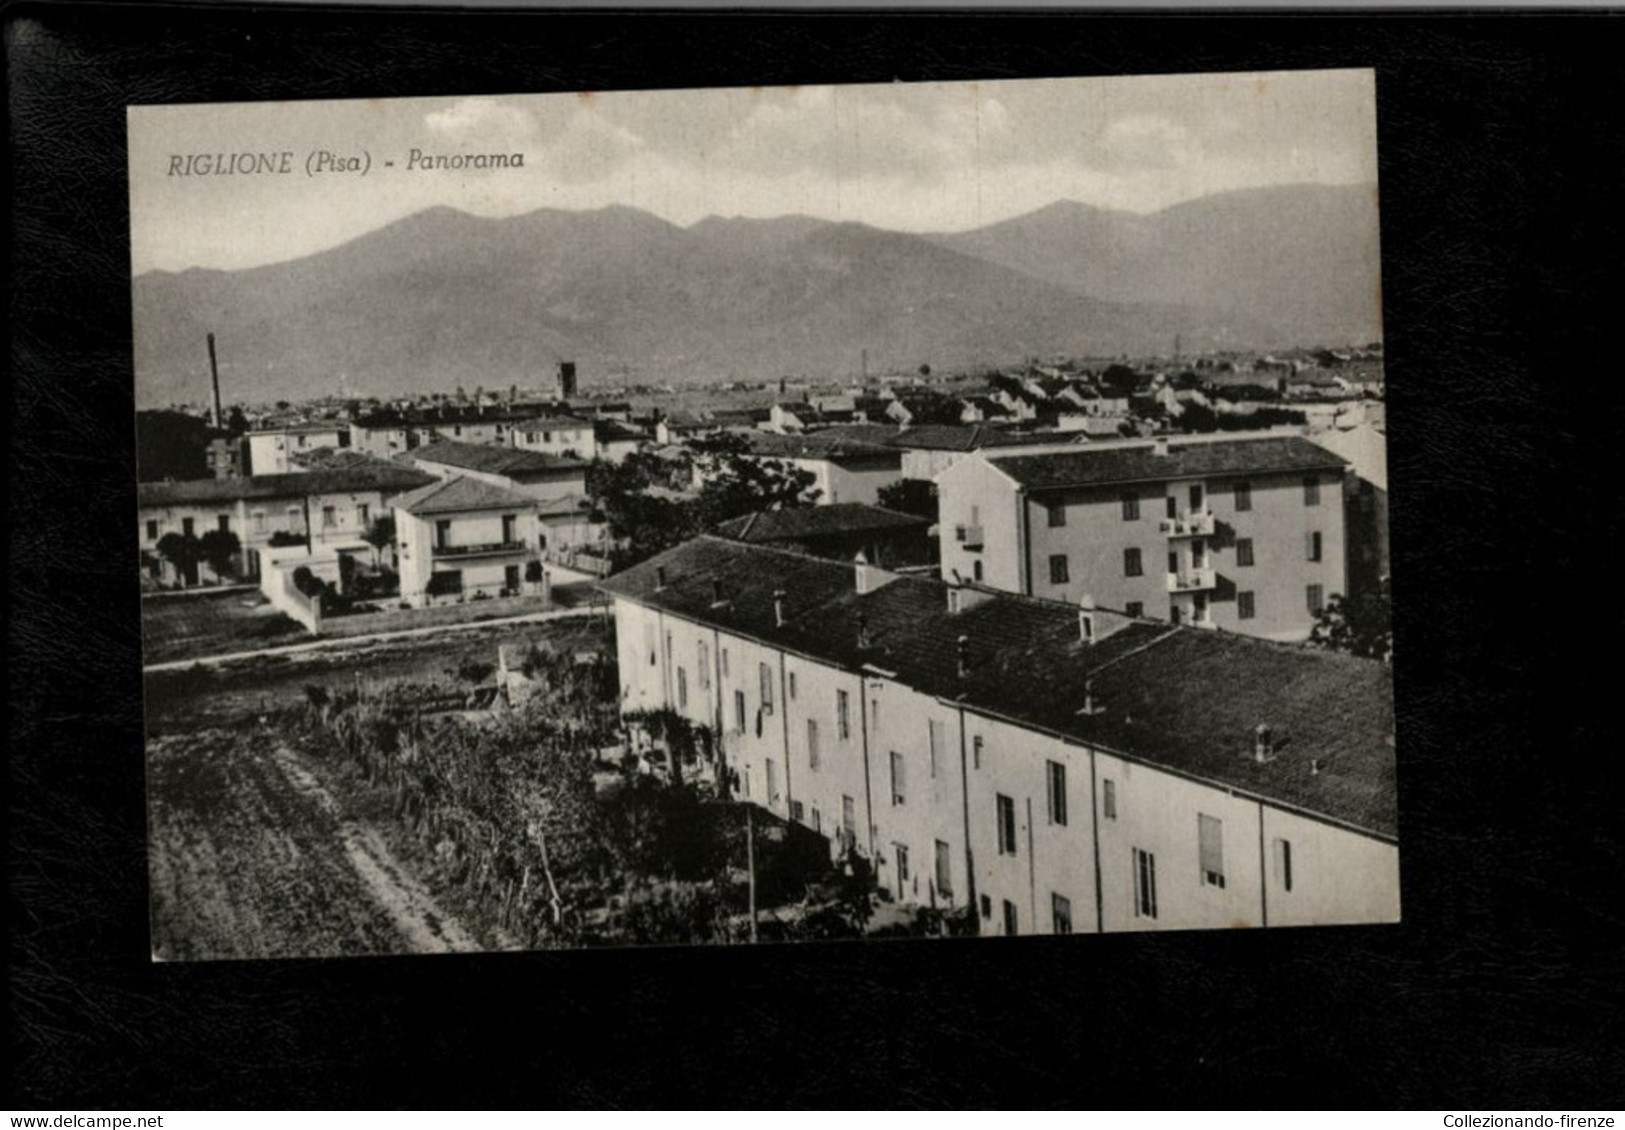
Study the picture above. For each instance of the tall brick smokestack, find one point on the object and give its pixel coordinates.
(214, 375)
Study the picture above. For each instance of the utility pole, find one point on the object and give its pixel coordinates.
(750, 868)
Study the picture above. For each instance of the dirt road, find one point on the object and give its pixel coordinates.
(251, 856)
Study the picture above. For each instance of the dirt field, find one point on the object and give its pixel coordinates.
(251, 853)
(179, 627)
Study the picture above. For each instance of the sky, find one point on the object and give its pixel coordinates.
(903, 156)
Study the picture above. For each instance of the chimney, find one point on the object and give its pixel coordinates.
(869, 577)
(962, 648)
(778, 608)
(1314, 766)
(1086, 618)
(1088, 697)
(660, 577)
(716, 592)
(1263, 743)
(214, 375)
(863, 632)
(1160, 446)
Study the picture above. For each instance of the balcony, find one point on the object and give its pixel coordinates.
(486, 549)
(970, 537)
(1192, 580)
(1197, 525)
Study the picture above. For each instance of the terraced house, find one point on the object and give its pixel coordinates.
(1241, 534)
(1046, 767)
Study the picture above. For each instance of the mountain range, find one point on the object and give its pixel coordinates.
(443, 298)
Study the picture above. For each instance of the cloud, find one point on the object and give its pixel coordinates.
(486, 121)
(1145, 141)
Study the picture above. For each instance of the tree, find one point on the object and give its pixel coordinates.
(1361, 625)
(910, 496)
(533, 572)
(170, 445)
(219, 548)
(1119, 380)
(183, 552)
(380, 534)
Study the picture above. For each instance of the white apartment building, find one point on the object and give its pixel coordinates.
(1241, 534)
(1051, 768)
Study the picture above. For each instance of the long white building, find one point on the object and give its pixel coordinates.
(1056, 768)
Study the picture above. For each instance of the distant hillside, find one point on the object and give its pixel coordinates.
(1301, 259)
(442, 299)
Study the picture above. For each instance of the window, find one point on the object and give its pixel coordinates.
(1246, 606)
(897, 782)
(1132, 566)
(792, 687)
(1108, 799)
(509, 536)
(1311, 491)
(1011, 923)
(1061, 913)
(363, 514)
(849, 823)
(703, 664)
(1244, 495)
(1131, 508)
(1198, 554)
(152, 531)
(1007, 824)
(223, 523)
(1135, 609)
(186, 527)
(259, 521)
(772, 780)
(442, 533)
(1317, 599)
(1244, 551)
(1283, 864)
(976, 570)
(1170, 506)
(843, 716)
(817, 820)
(724, 661)
(1057, 569)
(976, 752)
(765, 674)
(945, 869)
(1057, 516)
(902, 866)
(812, 743)
(682, 688)
(1055, 778)
(1210, 847)
(1196, 498)
(739, 711)
(935, 740)
(953, 600)
(1175, 615)
(1145, 884)
(987, 907)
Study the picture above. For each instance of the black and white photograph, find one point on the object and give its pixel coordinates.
(747, 515)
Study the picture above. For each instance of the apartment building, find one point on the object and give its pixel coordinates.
(1047, 767)
(271, 451)
(1241, 534)
(462, 538)
(323, 508)
(558, 483)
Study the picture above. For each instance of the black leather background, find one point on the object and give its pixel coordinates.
(1502, 153)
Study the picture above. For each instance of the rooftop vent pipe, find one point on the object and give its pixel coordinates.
(778, 607)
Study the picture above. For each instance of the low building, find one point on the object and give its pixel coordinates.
(843, 470)
(1242, 534)
(269, 451)
(558, 483)
(1042, 767)
(313, 508)
(554, 435)
(613, 441)
(464, 539)
(1365, 503)
(839, 532)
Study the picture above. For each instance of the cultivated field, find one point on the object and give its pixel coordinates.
(257, 848)
(189, 625)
